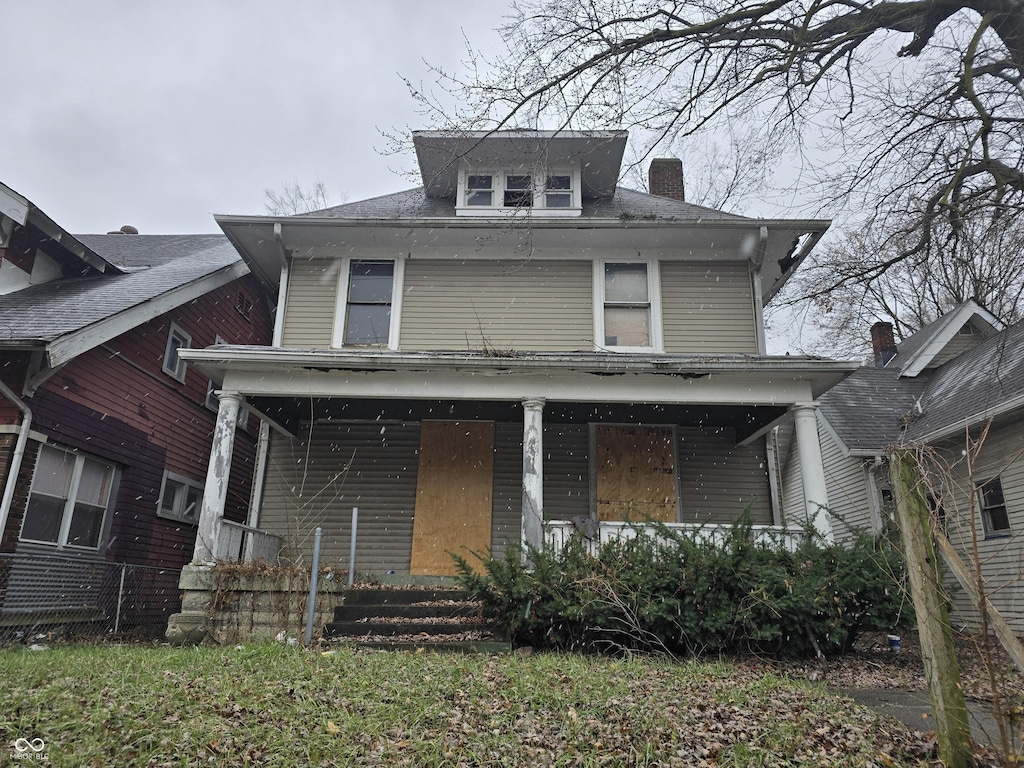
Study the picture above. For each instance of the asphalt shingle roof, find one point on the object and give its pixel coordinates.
(625, 203)
(159, 263)
(875, 407)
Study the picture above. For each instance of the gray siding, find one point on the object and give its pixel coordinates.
(794, 512)
(1002, 557)
(503, 305)
(846, 482)
(566, 471)
(707, 308)
(309, 309)
(507, 494)
(302, 493)
(719, 479)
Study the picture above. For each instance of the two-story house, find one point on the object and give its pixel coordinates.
(105, 430)
(516, 349)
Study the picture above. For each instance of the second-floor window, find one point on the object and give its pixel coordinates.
(626, 298)
(368, 306)
(174, 365)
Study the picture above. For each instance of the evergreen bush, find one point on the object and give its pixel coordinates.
(682, 593)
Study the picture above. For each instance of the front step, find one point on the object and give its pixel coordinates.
(413, 619)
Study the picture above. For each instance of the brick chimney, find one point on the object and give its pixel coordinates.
(665, 178)
(883, 343)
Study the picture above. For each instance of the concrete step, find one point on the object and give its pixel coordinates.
(389, 628)
(430, 610)
(400, 596)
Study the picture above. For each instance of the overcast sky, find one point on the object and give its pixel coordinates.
(162, 114)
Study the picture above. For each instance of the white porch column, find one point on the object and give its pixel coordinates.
(533, 472)
(218, 474)
(812, 470)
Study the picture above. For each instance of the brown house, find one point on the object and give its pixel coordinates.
(105, 430)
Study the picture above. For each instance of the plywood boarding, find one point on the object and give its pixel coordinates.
(308, 485)
(310, 305)
(720, 479)
(475, 305)
(707, 307)
(635, 473)
(453, 494)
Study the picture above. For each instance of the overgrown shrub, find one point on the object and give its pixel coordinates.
(678, 592)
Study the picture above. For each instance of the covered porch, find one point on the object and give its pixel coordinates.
(467, 452)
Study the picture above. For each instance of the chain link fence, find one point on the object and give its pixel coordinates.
(48, 596)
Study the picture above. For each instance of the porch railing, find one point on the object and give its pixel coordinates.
(558, 532)
(238, 542)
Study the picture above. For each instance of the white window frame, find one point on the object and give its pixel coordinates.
(178, 511)
(341, 307)
(178, 372)
(539, 206)
(986, 518)
(72, 497)
(653, 296)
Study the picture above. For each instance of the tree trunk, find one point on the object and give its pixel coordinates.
(941, 669)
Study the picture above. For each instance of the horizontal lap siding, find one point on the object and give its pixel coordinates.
(1002, 558)
(707, 308)
(301, 494)
(503, 305)
(309, 310)
(566, 471)
(719, 479)
(846, 484)
(507, 495)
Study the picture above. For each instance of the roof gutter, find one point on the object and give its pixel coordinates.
(19, 453)
(1014, 403)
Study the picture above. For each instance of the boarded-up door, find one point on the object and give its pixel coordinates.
(636, 473)
(453, 494)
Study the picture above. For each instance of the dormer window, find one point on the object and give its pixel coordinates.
(555, 193)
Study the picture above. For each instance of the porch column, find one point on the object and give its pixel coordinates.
(218, 474)
(533, 472)
(812, 471)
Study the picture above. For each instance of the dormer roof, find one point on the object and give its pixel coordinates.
(599, 154)
(928, 347)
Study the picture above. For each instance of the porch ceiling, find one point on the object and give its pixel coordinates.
(746, 420)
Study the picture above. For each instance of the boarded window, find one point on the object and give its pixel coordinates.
(635, 473)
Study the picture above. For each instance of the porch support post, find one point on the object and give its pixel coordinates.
(218, 475)
(533, 472)
(812, 470)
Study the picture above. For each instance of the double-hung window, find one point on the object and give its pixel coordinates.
(70, 495)
(994, 515)
(627, 306)
(368, 306)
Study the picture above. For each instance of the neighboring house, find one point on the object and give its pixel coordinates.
(515, 350)
(104, 430)
(958, 376)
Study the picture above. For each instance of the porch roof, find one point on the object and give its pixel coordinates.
(746, 391)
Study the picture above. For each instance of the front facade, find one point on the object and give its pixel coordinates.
(955, 389)
(104, 430)
(513, 352)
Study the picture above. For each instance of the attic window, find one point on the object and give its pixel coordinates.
(966, 330)
(174, 365)
(554, 193)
